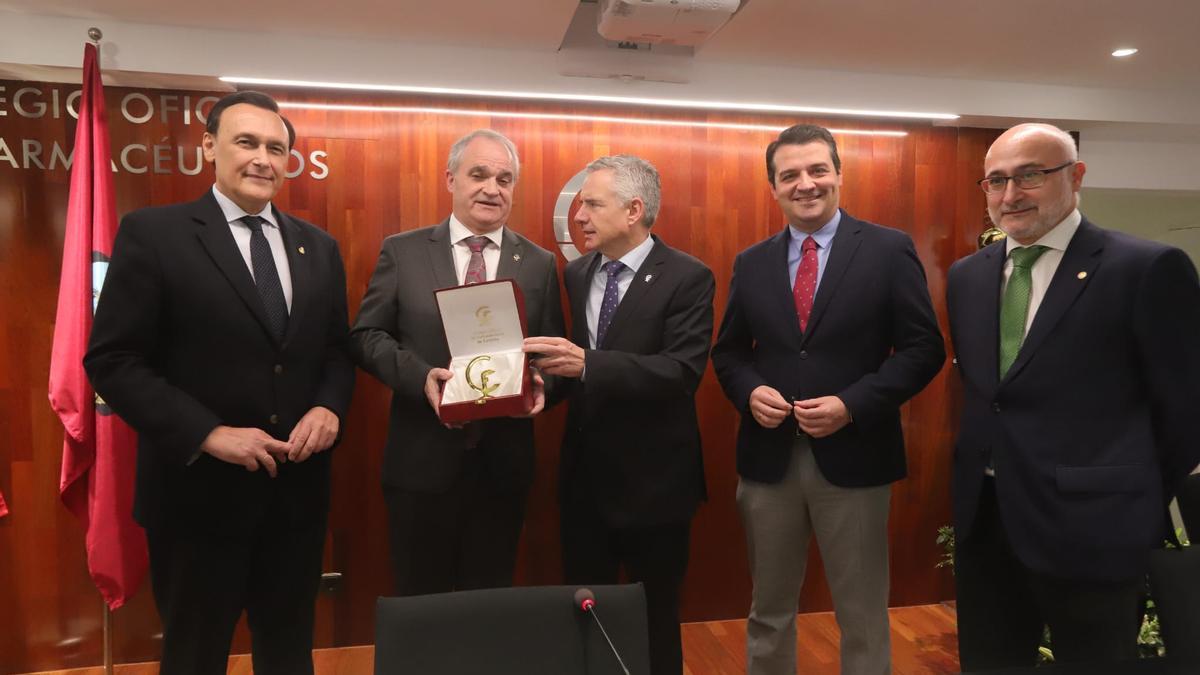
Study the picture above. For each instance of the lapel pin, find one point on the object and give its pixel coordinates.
(301, 249)
(1082, 275)
(516, 257)
(649, 278)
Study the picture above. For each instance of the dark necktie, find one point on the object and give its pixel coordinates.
(266, 277)
(476, 268)
(805, 285)
(608, 306)
(1014, 306)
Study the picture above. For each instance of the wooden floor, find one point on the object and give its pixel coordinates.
(924, 642)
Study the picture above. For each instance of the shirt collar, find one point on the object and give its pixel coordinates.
(635, 257)
(459, 232)
(1057, 238)
(823, 236)
(234, 213)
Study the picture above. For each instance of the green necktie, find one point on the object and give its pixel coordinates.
(1014, 306)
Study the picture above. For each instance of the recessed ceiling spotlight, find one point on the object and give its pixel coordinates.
(1128, 51)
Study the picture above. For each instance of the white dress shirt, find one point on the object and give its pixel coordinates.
(241, 236)
(462, 253)
(1044, 267)
(632, 261)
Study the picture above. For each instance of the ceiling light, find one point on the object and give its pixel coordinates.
(1126, 51)
(588, 98)
(572, 118)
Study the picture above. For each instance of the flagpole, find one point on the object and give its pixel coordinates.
(108, 656)
(95, 35)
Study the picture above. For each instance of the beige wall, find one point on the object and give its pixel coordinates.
(1169, 216)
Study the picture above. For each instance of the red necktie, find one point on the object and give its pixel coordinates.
(476, 268)
(806, 281)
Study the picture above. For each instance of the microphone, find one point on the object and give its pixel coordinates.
(585, 600)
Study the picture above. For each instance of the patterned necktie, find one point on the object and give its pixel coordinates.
(1014, 306)
(266, 277)
(476, 268)
(805, 286)
(611, 298)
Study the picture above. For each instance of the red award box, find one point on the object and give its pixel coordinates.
(484, 326)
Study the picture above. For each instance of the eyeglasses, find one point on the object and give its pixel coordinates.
(1026, 181)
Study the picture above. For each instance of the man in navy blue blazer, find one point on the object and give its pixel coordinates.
(1081, 387)
(828, 329)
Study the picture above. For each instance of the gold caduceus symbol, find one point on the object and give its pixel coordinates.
(485, 390)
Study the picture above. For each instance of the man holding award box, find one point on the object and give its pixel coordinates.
(456, 489)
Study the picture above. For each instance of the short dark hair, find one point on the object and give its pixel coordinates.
(802, 134)
(254, 98)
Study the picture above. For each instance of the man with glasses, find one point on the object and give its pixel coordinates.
(1081, 381)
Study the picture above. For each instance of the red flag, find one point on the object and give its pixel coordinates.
(3, 506)
(99, 449)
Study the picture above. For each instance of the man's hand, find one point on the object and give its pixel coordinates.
(539, 396)
(556, 356)
(435, 381)
(822, 416)
(315, 432)
(768, 407)
(246, 446)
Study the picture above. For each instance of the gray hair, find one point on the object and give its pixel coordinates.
(460, 146)
(633, 177)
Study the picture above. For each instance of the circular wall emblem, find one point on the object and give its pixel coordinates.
(562, 216)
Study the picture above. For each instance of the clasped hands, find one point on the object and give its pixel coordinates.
(252, 447)
(817, 417)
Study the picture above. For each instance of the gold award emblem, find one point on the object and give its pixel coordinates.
(484, 316)
(484, 388)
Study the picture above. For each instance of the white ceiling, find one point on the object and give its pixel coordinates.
(994, 62)
(1062, 42)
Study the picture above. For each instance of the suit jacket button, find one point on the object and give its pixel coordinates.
(274, 419)
(995, 407)
(803, 354)
(278, 369)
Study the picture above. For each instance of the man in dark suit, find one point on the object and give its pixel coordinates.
(1077, 350)
(220, 337)
(828, 330)
(455, 495)
(631, 471)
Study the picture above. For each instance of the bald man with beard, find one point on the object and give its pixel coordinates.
(1081, 387)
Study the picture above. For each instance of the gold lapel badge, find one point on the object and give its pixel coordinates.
(301, 249)
(1082, 275)
(516, 257)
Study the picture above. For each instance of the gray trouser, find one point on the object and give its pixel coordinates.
(850, 525)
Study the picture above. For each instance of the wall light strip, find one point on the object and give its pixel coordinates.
(587, 98)
(572, 118)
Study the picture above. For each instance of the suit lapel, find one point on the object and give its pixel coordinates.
(780, 282)
(441, 258)
(1079, 262)
(845, 244)
(218, 242)
(649, 273)
(512, 253)
(299, 249)
(991, 279)
(579, 285)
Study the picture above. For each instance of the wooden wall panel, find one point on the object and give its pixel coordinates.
(385, 175)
